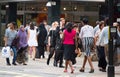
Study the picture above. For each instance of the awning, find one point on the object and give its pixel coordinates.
(47, 0)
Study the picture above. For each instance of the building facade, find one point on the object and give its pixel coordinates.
(36, 10)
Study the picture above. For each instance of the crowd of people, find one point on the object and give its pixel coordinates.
(62, 40)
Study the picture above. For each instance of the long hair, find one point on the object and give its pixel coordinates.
(69, 26)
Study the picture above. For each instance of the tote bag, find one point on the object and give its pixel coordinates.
(6, 52)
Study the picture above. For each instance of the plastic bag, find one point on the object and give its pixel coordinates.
(6, 52)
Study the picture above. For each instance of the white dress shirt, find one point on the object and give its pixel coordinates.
(104, 36)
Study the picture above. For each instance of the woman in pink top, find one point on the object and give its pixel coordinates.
(69, 46)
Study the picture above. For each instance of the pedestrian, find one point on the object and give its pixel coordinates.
(47, 27)
(41, 38)
(32, 39)
(23, 45)
(10, 35)
(69, 36)
(103, 37)
(51, 40)
(101, 49)
(87, 37)
(59, 35)
(117, 46)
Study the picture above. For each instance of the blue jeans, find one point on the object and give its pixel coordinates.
(14, 57)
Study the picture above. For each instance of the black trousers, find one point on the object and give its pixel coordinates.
(41, 51)
(101, 55)
(59, 56)
(52, 50)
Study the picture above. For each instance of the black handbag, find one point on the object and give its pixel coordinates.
(58, 45)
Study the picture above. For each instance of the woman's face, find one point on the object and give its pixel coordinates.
(22, 28)
(11, 26)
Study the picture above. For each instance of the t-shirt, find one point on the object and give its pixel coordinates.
(10, 35)
(69, 37)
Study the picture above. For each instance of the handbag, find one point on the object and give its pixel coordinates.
(15, 42)
(51, 39)
(6, 52)
(58, 45)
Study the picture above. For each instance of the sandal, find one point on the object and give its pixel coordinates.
(91, 71)
(72, 70)
(81, 70)
(65, 71)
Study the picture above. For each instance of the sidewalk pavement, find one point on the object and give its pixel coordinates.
(39, 68)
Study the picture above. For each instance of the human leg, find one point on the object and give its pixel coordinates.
(90, 63)
(66, 65)
(70, 64)
(15, 55)
(8, 61)
(34, 52)
(84, 63)
(50, 55)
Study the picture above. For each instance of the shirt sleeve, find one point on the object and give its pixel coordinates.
(81, 33)
(101, 35)
(6, 33)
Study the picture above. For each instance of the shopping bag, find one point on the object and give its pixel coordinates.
(6, 52)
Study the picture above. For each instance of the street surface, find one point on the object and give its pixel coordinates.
(39, 68)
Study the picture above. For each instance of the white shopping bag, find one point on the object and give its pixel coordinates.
(6, 52)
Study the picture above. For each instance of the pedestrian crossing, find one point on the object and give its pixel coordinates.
(15, 74)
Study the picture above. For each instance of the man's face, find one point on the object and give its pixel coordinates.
(11, 26)
(63, 22)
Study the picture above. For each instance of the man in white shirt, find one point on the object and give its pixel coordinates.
(103, 40)
(96, 28)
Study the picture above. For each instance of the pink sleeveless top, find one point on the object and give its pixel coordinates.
(69, 37)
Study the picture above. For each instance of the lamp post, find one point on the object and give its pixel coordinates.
(112, 32)
(53, 10)
(0, 27)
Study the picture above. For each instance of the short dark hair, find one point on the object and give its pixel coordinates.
(85, 20)
(69, 26)
(14, 23)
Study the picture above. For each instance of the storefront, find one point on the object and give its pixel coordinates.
(36, 10)
(23, 11)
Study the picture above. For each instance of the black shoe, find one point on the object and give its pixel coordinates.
(24, 64)
(43, 56)
(8, 64)
(81, 70)
(103, 70)
(61, 66)
(48, 62)
(14, 63)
